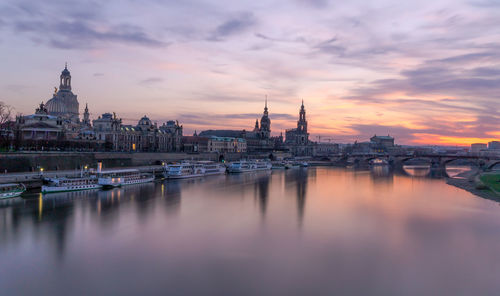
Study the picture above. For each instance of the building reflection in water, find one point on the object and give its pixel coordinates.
(261, 189)
(299, 178)
(171, 196)
(382, 177)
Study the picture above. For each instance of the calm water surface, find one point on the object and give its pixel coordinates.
(316, 231)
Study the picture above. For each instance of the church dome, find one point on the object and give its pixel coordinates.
(145, 121)
(55, 105)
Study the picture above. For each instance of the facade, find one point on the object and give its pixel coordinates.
(226, 144)
(494, 145)
(40, 126)
(297, 139)
(112, 135)
(477, 147)
(64, 102)
(326, 149)
(382, 141)
(174, 130)
(198, 144)
(194, 144)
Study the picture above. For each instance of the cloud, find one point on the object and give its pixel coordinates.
(151, 81)
(314, 3)
(233, 26)
(75, 26)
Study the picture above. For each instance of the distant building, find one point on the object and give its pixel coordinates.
(226, 144)
(143, 137)
(297, 139)
(494, 145)
(477, 147)
(198, 144)
(382, 141)
(257, 140)
(326, 149)
(40, 126)
(194, 144)
(174, 130)
(64, 103)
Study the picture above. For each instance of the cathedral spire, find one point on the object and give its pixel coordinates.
(265, 106)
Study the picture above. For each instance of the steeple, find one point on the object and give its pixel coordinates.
(86, 115)
(65, 79)
(265, 108)
(265, 123)
(302, 123)
(256, 128)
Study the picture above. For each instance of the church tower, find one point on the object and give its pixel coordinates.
(265, 123)
(65, 79)
(86, 116)
(302, 123)
(256, 128)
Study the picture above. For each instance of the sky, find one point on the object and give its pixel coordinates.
(425, 72)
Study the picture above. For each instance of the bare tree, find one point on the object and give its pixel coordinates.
(5, 113)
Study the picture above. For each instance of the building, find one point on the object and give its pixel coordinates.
(195, 144)
(64, 102)
(382, 141)
(477, 147)
(198, 144)
(297, 139)
(174, 130)
(257, 140)
(226, 145)
(494, 145)
(112, 135)
(40, 126)
(326, 149)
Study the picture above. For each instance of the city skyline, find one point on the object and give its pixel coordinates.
(426, 72)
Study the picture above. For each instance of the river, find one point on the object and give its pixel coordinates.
(314, 231)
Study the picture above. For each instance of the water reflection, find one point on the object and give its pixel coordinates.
(262, 192)
(417, 170)
(392, 233)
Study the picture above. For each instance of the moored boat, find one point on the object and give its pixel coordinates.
(185, 170)
(70, 184)
(122, 177)
(213, 168)
(11, 190)
(249, 166)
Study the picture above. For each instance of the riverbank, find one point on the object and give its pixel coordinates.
(473, 182)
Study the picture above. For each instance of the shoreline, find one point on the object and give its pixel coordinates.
(468, 183)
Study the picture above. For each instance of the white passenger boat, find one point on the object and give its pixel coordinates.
(122, 177)
(11, 190)
(186, 170)
(249, 166)
(70, 184)
(213, 168)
